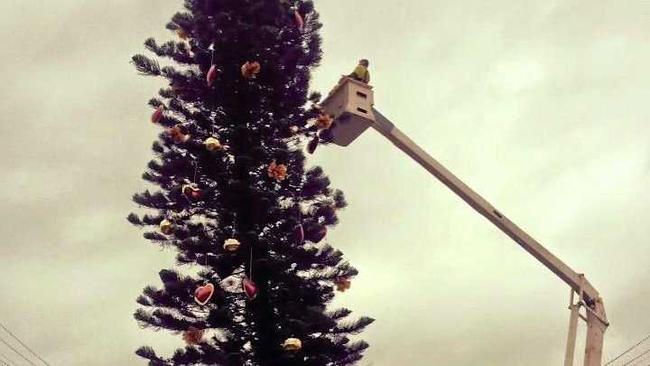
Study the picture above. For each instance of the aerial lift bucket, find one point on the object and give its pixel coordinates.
(350, 104)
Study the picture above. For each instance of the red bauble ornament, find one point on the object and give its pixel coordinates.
(249, 288)
(158, 114)
(300, 22)
(203, 294)
(211, 77)
(192, 191)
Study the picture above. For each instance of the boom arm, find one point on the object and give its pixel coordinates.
(351, 103)
(596, 317)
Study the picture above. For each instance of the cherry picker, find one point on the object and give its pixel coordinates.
(351, 104)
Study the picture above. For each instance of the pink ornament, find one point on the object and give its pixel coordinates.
(299, 234)
(203, 294)
(212, 75)
(193, 336)
(157, 115)
(300, 22)
(249, 288)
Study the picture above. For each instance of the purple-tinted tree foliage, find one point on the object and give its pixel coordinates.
(224, 129)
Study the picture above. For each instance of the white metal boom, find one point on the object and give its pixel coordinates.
(351, 103)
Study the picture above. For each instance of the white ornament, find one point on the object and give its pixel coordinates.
(232, 284)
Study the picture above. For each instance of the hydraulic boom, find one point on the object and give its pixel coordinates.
(351, 103)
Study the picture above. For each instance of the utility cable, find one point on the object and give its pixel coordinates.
(23, 344)
(17, 352)
(637, 357)
(641, 361)
(628, 350)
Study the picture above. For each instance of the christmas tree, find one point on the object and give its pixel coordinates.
(232, 195)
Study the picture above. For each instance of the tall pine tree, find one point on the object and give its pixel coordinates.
(233, 197)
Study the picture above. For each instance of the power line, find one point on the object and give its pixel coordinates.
(23, 344)
(640, 361)
(637, 357)
(17, 352)
(628, 350)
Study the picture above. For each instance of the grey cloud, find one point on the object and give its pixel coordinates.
(541, 107)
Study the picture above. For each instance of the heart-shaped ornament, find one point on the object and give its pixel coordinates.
(203, 294)
(300, 22)
(211, 77)
(192, 191)
(249, 288)
(299, 234)
(158, 114)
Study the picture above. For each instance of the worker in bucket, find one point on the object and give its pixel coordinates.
(361, 72)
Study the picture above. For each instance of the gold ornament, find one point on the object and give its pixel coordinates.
(212, 144)
(343, 284)
(177, 135)
(231, 245)
(324, 121)
(277, 171)
(249, 70)
(292, 345)
(182, 34)
(166, 227)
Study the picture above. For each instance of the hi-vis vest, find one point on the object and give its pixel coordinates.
(361, 73)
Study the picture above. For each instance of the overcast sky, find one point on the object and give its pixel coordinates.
(540, 106)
